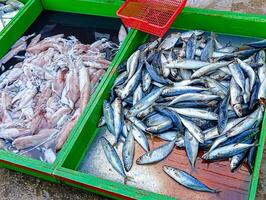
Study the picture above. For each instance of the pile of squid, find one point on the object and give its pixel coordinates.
(8, 10)
(43, 95)
(192, 92)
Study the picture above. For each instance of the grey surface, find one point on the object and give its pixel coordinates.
(14, 186)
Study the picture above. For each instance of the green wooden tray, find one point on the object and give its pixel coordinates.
(208, 20)
(19, 24)
(10, 35)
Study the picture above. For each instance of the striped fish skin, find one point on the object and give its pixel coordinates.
(235, 98)
(208, 50)
(258, 44)
(138, 95)
(227, 151)
(146, 80)
(138, 123)
(248, 134)
(173, 116)
(168, 135)
(140, 137)
(254, 94)
(249, 122)
(113, 157)
(186, 64)
(238, 75)
(215, 87)
(145, 102)
(191, 47)
(237, 161)
(223, 114)
(177, 90)
(204, 70)
(192, 148)
(132, 64)
(130, 86)
(108, 116)
(214, 133)
(193, 97)
(251, 159)
(160, 128)
(156, 119)
(185, 179)
(249, 71)
(128, 151)
(154, 75)
(156, 155)
(117, 118)
(197, 113)
(193, 129)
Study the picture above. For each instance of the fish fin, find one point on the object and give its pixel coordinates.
(193, 168)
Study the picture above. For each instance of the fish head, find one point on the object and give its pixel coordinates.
(104, 143)
(153, 129)
(144, 158)
(139, 160)
(238, 110)
(173, 172)
(180, 142)
(106, 104)
(168, 169)
(119, 92)
(233, 164)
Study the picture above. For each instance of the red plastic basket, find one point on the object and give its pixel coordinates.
(150, 16)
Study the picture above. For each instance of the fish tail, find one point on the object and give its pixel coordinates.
(205, 156)
(262, 101)
(256, 144)
(250, 169)
(217, 191)
(115, 145)
(127, 179)
(151, 134)
(252, 105)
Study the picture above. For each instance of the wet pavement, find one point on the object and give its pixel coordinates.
(14, 186)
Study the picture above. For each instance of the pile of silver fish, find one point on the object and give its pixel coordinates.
(192, 92)
(8, 10)
(43, 95)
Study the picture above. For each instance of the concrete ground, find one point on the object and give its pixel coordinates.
(14, 186)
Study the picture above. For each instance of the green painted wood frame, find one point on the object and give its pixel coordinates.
(191, 18)
(9, 36)
(21, 21)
